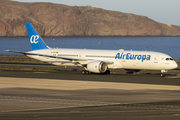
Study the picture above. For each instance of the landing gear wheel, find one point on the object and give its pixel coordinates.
(162, 75)
(87, 72)
(107, 72)
(83, 72)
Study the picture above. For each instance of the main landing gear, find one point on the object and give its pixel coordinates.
(107, 72)
(85, 72)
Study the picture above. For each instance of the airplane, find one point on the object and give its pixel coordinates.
(97, 61)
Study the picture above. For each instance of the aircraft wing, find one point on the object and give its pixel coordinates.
(51, 56)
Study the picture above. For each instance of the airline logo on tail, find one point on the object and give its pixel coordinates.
(34, 39)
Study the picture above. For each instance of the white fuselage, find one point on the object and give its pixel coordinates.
(119, 58)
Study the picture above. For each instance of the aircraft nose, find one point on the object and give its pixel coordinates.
(175, 65)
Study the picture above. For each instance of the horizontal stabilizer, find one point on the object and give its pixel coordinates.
(16, 51)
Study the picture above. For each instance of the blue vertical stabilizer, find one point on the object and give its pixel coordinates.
(35, 40)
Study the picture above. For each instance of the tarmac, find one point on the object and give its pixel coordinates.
(68, 95)
(40, 91)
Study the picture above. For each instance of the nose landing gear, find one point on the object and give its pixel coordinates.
(163, 73)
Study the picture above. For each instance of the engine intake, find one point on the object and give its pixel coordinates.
(97, 67)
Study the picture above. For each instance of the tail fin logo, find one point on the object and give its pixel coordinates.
(34, 39)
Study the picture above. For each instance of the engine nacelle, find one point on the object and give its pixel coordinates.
(97, 67)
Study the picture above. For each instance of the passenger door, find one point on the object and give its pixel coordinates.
(156, 59)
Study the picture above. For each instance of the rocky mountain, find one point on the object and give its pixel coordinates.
(61, 20)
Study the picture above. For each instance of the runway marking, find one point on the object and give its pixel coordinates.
(56, 101)
(149, 106)
(50, 108)
(72, 103)
(172, 77)
(7, 82)
(124, 106)
(40, 72)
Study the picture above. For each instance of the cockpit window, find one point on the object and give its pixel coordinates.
(169, 59)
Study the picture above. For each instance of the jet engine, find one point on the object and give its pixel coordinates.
(97, 67)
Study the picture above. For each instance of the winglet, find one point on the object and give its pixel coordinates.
(34, 38)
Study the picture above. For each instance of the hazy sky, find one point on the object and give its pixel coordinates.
(164, 11)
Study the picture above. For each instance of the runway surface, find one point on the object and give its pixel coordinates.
(68, 95)
(76, 75)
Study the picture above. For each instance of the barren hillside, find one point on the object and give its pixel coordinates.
(62, 20)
